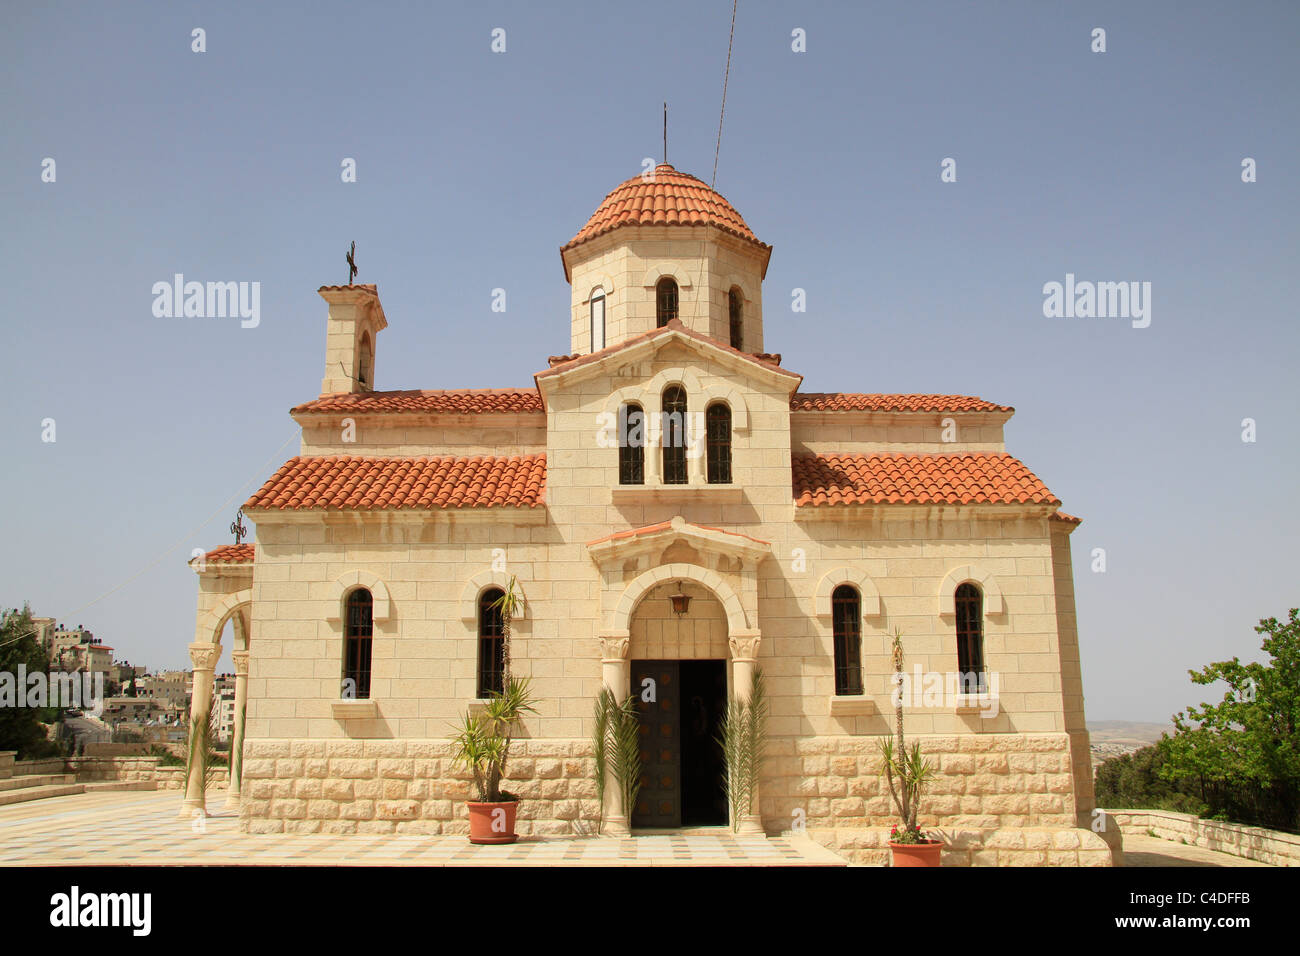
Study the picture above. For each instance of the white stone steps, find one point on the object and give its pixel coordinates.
(28, 781)
(103, 786)
(25, 794)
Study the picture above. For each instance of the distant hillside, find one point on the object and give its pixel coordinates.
(1127, 731)
(1111, 738)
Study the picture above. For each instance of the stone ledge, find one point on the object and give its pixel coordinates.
(852, 706)
(360, 709)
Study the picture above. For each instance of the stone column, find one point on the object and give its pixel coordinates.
(237, 740)
(744, 659)
(617, 675)
(204, 657)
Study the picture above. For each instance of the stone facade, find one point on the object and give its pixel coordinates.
(595, 564)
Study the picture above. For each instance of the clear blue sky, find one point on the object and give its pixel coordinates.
(475, 167)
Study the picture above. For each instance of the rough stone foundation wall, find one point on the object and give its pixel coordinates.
(408, 786)
(132, 769)
(996, 800)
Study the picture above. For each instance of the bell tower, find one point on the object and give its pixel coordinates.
(355, 320)
(664, 246)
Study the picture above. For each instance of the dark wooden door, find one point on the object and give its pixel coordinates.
(681, 761)
(704, 703)
(659, 804)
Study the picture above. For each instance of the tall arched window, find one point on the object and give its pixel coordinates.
(735, 310)
(365, 362)
(491, 644)
(846, 618)
(674, 435)
(970, 638)
(597, 319)
(631, 445)
(717, 425)
(665, 301)
(358, 630)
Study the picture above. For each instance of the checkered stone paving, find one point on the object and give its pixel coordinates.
(130, 828)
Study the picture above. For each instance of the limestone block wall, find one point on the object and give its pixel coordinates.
(912, 433)
(408, 786)
(134, 769)
(514, 433)
(1253, 843)
(996, 801)
(983, 782)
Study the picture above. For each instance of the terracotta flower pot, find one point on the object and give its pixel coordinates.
(492, 822)
(916, 854)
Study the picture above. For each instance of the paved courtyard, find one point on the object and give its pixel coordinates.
(143, 828)
(1142, 850)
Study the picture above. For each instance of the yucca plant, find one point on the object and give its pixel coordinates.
(509, 604)
(743, 738)
(907, 772)
(483, 740)
(617, 745)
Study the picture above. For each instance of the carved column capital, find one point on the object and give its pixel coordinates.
(614, 647)
(744, 645)
(241, 662)
(204, 656)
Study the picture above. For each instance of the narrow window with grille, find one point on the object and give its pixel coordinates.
(846, 618)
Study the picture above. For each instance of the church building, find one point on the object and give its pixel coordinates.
(672, 506)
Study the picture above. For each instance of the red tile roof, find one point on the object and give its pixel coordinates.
(231, 554)
(465, 401)
(984, 477)
(369, 484)
(1062, 516)
(869, 402)
(668, 198)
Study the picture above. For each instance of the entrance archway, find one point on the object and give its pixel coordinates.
(680, 675)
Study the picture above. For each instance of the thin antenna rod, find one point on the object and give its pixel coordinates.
(725, 77)
(665, 132)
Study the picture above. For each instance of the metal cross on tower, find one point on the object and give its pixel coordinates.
(352, 262)
(237, 526)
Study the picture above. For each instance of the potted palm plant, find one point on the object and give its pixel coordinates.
(907, 773)
(483, 744)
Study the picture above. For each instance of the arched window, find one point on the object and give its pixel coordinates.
(735, 310)
(665, 301)
(631, 445)
(597, 319)
(674, 435)
(846, 618)
(357, 633)
(365, 362)
(717, 424)
(969, 604)
(491, 644)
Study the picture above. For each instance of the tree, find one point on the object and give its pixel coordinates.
(1246, 745)
(20, 726)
